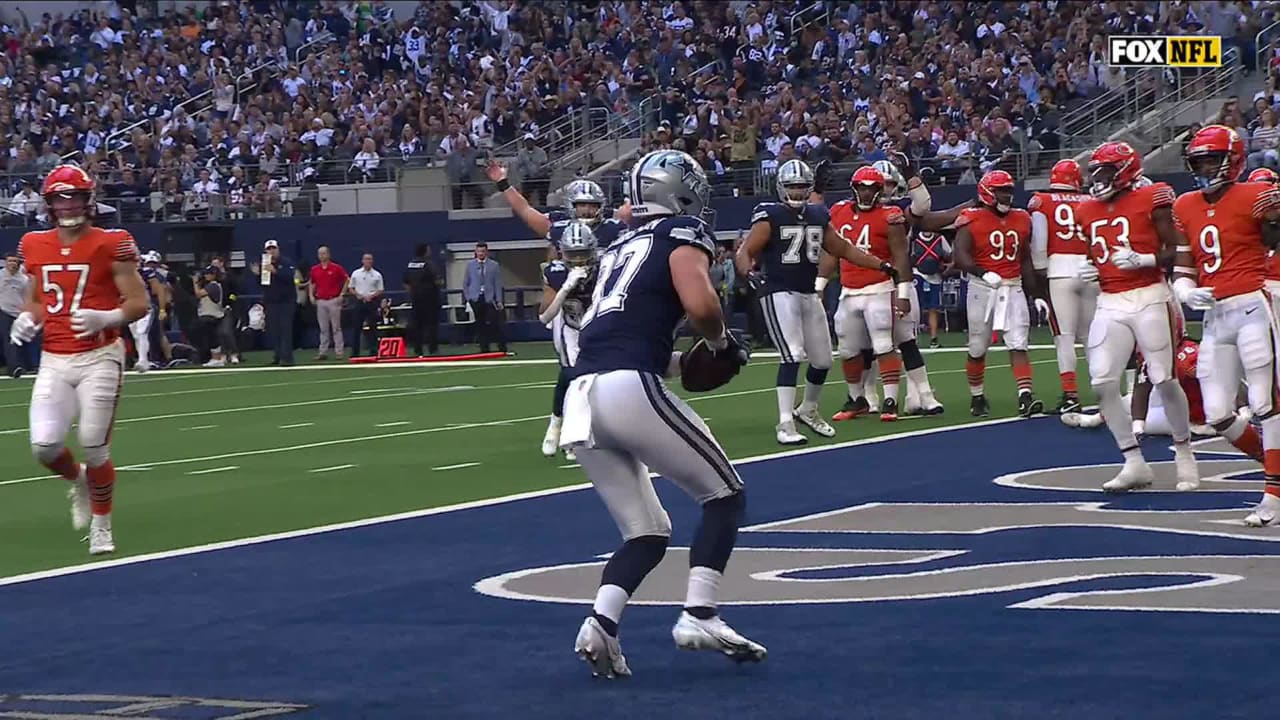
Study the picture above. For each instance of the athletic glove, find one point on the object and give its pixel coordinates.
(1126, 259)
(991, 278)
(24, 329)
(888, 269)
(1088, 271)
(86, 323)
(1189, 294)
(1042, 309)
(821, 176)
(576, 276)
(756, 280)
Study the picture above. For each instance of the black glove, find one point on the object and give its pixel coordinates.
(890, 270)
(821, 176)
(755, 280)
(737, 350)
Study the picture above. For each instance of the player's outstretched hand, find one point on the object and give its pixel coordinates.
(24, 329)
(821, 176)
(1042, 309)
(87, 323)
(496, 171)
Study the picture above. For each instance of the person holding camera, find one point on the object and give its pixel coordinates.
(210, 333)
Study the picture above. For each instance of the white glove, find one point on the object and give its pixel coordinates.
(86, 323)
(1194, 297)
(1042, 308)
(991, 278)
(24, 329)
(576, 275)
(1088, 271)
(1126, 259)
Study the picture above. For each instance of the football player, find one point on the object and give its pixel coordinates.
(1058, 251)
(585, 203)
(157, 299)
(992, 246)
(87, 287)
(624, 422)
(1221, 270)
(1267, 175)
(566, 294)
(869, 300)
(787, 238)
(1131, 234)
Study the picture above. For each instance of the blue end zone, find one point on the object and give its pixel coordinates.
(382, 621)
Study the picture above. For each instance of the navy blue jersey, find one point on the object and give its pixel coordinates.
(635, 310)
(790, 258)
(147, 275)
(579, 299)
(606, 232)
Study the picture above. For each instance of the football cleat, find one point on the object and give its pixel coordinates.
(852, 409)
(600, 650)
(570, 455)
(1069, 403)
(691, 633)
(787, 434)
(1135, 475)
(142, 366)
(78, 494)
(978, 406)
(551, 441)
(1028, 405)
(1265, 513)
(1188, 473)
(814, 421)
(934, 344)
(889, 410)
(100, 540)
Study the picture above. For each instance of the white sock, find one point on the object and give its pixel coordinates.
(811, 394)
(555, 422)
(918, 378)
(1134, 455)
(1116, 415)
(611, 600)
(1065, 345)
(854, 391)
(1176, 409)
(1130, 379)
(976, 390)
(786, 403)
(704, 587)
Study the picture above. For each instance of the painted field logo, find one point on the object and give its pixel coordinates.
(1164, 51)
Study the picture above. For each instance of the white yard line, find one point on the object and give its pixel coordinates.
(331, 468)
(198, 427)
(295, 425)
(397, 423)
(413, 514)
(214, 470)
(459, 466)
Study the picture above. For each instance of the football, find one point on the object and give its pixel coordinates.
(703, 369)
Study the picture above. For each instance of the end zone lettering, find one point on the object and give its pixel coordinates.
(1164, 51)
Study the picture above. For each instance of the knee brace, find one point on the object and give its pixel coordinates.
(45, 454)
(788, 373)
(816, 375)
(911, 356)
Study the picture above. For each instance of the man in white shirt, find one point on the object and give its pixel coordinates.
(367, 287)
(26, 203)
(14, 288)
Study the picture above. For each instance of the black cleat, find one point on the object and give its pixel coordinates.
(1068, 404)
(978, 406)
(1028, 405)
(933, 344)
(888, 410)
(852, 409)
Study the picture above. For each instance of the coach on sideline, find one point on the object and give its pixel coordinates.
(328, 287)
(280, 299)
(482, 289)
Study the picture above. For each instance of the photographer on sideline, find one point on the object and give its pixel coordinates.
(210, 336)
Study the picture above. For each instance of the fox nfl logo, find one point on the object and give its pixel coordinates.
(1190, 51)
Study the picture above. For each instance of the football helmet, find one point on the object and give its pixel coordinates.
(795, 183)
(1113, 168)
(578, 245)
(995, 190)
(1266, 175)
(895, 186)
(1066, 175)
(68, 193)
(868, 185)
(1216, 153)
(585, 201)
(669, 182)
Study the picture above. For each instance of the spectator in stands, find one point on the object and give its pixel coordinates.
(24, 206)
(368, 287)
(1264, 145)
(482, 289)
(365, 165)
(280, 301)
(460, 167)
(205, 193)
(328, 286)
(531, 162)
(266, 196)
(15, 285)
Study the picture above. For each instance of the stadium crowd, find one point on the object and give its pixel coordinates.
(220, 104)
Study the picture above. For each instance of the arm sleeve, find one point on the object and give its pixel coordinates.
(1039, 240)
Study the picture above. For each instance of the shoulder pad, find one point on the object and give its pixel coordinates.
(894, 215)
(967, 216)
(762, 213)
(687, 230)
(1036, 201)
(1161, 195)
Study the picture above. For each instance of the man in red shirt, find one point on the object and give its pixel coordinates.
(328, 286)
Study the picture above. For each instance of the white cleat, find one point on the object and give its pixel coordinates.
(1135, 475)
(691, 633)
(815, 422)
(600, 650)
(570, 455)
(1265, 513)
(100, 540)
(1185, 465)
(911, 405)
(141, 366)
(78, 494)
(787, 434)
(551, 441)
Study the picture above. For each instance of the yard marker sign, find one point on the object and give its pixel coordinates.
(1164, 51)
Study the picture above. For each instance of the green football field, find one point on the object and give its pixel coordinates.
(208, 456)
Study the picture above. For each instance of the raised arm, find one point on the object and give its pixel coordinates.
(538, 221)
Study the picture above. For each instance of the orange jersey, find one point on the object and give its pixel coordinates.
(1226, 236)
(1124, 221)
(1059, 210)
(70, 277)
(867, 230)
(999, 242)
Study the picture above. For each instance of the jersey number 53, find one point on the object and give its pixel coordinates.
(1101, 247)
